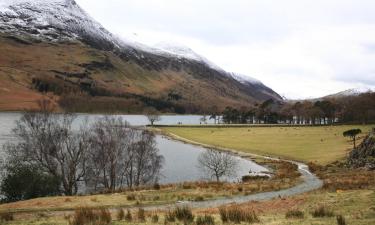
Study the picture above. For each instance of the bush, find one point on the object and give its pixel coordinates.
(23, 182)
(205, 220)
(340, 220)
(322, 211)
(141, 215)
(295, 214)
(237, 215)
(87, 216)
(6, 216)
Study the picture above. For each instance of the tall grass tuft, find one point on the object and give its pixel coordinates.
(184, 214)
(170, 216)
(141, 215)
(322, 211)
(128, 216)
(6, 216)
(237, 215)
(340, 220)
(87, 216)
(155, 218)
(105, 216)
(205, 220)
(294, 214)
(120, 214)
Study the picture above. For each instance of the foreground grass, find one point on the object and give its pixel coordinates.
(317, 144)
(356, 206)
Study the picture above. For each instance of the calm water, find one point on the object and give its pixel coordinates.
(180, 158)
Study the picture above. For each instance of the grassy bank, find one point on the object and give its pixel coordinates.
(323, 144)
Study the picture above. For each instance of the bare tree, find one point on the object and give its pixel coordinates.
(121, 155)
(145, 163)
(48, 141)
(217, 164)
(152, 116)
(110, 141)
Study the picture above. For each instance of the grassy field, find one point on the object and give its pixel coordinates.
(310, 144)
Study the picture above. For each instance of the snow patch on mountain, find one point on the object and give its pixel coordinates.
(245, 79)
(182, 51)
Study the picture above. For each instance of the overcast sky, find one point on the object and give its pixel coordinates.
(300, 48)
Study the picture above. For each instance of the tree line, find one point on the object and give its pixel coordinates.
(349, 109)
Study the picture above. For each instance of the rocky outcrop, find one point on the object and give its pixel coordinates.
(363, 156)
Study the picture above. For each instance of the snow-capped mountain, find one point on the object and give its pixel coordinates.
(64, 21)
(61, 20)
(351, 92)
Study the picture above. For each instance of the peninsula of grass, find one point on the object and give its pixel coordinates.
(318, 144)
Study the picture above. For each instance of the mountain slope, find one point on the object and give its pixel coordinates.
(54, 46)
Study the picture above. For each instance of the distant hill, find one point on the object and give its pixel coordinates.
(54, 46)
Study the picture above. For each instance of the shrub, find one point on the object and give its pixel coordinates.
(237, 215)
(6, 216)
(155, 218)
(340, 220)
(141, 215)
(120, 214)
(295, 214)
(128, 216)
(205, 220)
(322, 211)
(22, 182)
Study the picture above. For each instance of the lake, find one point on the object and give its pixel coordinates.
(181, 159)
